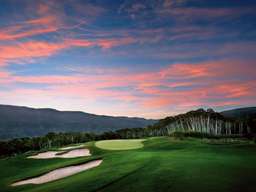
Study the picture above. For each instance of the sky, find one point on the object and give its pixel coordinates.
(151, 58)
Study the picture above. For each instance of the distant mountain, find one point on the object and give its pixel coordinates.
(240, 113)
(18, 121)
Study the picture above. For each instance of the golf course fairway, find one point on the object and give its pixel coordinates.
(162, 164)
(122, 144)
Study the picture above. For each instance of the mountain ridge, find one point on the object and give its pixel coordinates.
(21, 121)
(240, 112)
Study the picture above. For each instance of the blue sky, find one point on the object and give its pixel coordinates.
(148, 58)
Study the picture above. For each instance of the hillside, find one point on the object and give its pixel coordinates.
(18, 121)
(240, 113)
(207, 122)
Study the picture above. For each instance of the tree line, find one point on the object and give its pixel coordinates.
(199, 123)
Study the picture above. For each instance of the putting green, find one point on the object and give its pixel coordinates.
(122, 144)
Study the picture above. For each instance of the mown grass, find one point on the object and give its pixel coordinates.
(122, 144)
(163, 164)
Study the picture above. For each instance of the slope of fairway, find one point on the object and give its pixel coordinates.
(122, 144)
(163, 164)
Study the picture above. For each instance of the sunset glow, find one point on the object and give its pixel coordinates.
(148, 58)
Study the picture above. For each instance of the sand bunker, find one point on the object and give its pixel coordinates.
(72, 147)
(59, 173)
(60, 154)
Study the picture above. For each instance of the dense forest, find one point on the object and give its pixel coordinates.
(199, 123)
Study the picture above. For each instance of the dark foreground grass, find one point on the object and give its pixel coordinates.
(164, 164)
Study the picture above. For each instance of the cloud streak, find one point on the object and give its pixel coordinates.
(179, 85)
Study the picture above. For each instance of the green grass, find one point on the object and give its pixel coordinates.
(163, 164)
(122, 144)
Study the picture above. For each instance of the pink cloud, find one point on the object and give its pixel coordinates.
(79, 43)
(29, 49)
(109, 43)
(47, 18)
(57, 79)
(35, 49)
(103, 42)
(44, 22)
(4, 75)
(208, 84)
(13, 33)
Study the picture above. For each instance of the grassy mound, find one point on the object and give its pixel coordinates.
(124, 144)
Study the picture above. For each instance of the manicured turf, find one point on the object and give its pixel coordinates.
(123, 144)
(163, 164)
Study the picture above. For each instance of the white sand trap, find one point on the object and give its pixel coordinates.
(72, 147)
(76, 153)
(56, 154)
(59, 173)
